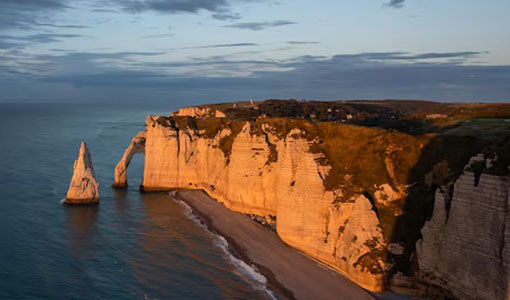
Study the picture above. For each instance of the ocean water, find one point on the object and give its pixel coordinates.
(131, 246)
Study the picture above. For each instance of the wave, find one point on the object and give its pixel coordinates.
(249, 272)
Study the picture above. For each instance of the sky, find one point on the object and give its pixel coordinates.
(201, 51)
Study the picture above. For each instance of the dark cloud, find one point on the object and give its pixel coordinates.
(9, 41)
(302, 43)
(223, 10)
(61, 26)
(216, 46)
(260, 25)
(89, 57)
(173, 6)
(226, 16)
(62, 50)
(40, 38)
(404, 56)
(353, 76)
(23, 14)
(395, 3)
(227, 45)
(33, 4)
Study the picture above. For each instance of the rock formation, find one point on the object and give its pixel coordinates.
(279, 171)
(83, 188)
(267, 175)
(465, 247)
(137, 145)
(358, 199)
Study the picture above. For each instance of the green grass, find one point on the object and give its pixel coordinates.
(487, 121)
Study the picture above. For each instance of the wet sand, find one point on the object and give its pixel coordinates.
(290, 273)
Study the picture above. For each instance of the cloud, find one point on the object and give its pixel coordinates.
(223, 10)
(174, 6)
(226, 16)
(302, 43)
(61, 26)
(395, 3)
(9, 41)
(227, 45)
(23, 14)
(33, 4)
(233, 45)
(126, 75)
(404, 56)
(260, 25)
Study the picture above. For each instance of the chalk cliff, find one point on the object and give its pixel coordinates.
(137, 145)
(83, 188)
(256, 168)
(465, 247)
(352, 197)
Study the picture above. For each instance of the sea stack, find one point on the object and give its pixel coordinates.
(83, 188)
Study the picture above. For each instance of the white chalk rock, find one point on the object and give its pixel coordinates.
(83, 188)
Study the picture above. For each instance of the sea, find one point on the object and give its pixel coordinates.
(130, 246)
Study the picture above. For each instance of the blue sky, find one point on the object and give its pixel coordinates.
(225, 50)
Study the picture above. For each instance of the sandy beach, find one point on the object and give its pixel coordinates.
(290, 273)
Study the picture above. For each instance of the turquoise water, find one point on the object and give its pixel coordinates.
(131, 246)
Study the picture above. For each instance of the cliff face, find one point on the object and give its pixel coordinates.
(264, 172)
(465, 247)
(83, 188)
(347, 196)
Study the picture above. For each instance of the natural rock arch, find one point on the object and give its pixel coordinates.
(137, 146)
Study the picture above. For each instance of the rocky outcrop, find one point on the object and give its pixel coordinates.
(137, 145)
(256, 171)
(465, 248)
(83, 188)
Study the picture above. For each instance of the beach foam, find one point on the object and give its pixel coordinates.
(248, 272)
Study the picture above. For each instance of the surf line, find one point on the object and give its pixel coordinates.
(249, 272)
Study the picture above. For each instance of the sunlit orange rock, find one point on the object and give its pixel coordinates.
(137, 145)
(83, 188)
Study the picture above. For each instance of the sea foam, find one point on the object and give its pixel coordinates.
(253, 276)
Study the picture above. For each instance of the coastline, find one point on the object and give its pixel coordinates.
(289, 273)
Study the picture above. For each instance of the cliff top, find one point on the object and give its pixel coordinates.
(414, 117)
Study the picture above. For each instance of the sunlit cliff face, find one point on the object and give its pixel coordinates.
(353, 197)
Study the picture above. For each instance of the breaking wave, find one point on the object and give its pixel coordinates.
(249, 272)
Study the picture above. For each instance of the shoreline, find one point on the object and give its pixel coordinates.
(272, 284)
(289, 273)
